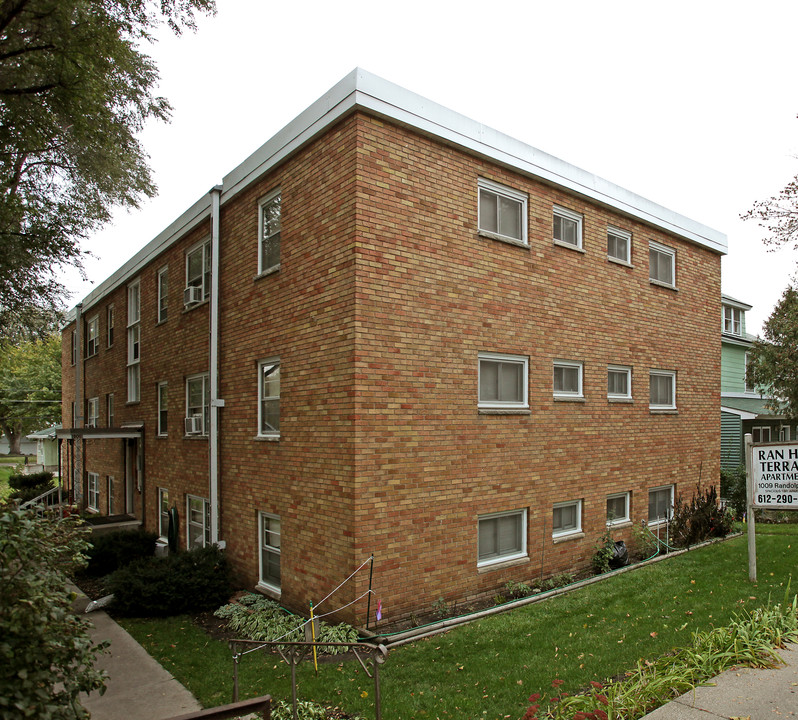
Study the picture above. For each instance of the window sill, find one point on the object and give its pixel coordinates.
(663, 411)
(620, 524)
(502, 564)
(566, 537)
(618, 261)
(268, 590)
(195, 437)
(620, 400)
(163, 322)
(194, 306)
(569, 398)
(267, 438)
(667, 286)
(504, 239)
(568, 246)
(132, 402)
(162, 435)
(267, 272)
(93, 511)
(504, 411)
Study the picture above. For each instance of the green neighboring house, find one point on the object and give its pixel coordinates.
(742, 407)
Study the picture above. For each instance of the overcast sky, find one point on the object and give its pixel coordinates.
(690, 104)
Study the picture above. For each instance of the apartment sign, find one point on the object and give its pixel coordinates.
(774, 468)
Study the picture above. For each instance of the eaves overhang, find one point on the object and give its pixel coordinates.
(360, 90)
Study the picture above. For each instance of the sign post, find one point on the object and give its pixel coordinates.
(772, 483)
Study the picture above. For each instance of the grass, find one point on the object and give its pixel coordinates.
(489, 668)
(5, 490)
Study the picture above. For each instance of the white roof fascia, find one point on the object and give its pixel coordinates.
(740, 413)
(731, 302)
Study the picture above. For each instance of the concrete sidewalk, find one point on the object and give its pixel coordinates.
(745, 693)
(138, 688)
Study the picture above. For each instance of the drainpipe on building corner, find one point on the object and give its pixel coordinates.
(76, 481)
(215, 401)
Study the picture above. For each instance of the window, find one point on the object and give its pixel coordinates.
(761, 434)
(661, 264)
(662, 390)
(502, 212)
(567, 227)
(619, 245)
(502, 537)
(110, 324)
(133, 338)
(567, 379)
(163, 397)
(198, 400)
(198, 273)
(660, 504)
(502, 381)
(163, 294)
(269, 398)
(93, 495)
(618, 508)
(270, 542)
(163, 512)
(269, 225)
(110, 482)
(109, 407)
(92, 336)
(567, 518)
(732, 320)
(619, 382)
(92, 412)
(198, 527)
(784, 433)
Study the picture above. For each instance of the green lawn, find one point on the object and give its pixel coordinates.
(5, 490)
(489, 668)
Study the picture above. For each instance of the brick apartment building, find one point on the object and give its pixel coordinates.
(394, 331)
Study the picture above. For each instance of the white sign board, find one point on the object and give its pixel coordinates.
(774, 468)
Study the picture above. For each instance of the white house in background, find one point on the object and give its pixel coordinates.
(46, 448)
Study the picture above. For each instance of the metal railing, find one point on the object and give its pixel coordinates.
(48, 500)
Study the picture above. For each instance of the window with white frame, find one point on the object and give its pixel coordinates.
(501, 537)
(662, 390)
(619, 245)
(163, 408)
(660, 504)
(269, 398)
(567, 518)
(163, 512)
(163, 294)
(732, 320)
(502, 381)
(109, 409)
(109, 323)
(270, 541)
(784, 433)
(761, 434)
(661, 264)
(618, 508)
(567, 379)
(198, 273)
(502, 212)
(269, 229)
(110, 485)
(93, 492)
(92, 336)
(198, 526)
(567, 227)
(133, 342)
(619, 382)
(198, 400)
(92, 412)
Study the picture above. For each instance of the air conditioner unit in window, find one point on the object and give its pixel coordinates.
(194, 425)
(192, 295)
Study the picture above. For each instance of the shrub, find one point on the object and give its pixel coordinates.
(733, 490)
(190, 581)
(117, 549)
(700, 518)
(27, 487)
(517, 590)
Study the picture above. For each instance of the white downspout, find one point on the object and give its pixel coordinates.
(215, 401)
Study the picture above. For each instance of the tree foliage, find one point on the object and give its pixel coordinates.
(30, 387)
(75, 89)
(778, 215)
(46, 654)
(773, 359)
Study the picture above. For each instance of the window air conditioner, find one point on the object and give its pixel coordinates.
(194, 425)
(192, 295)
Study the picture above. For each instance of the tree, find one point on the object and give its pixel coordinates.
(30, 387)
(46, 654)
(773, 359)
(778, 215)
(75, 88)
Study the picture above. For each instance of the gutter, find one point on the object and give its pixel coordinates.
(215, 401)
